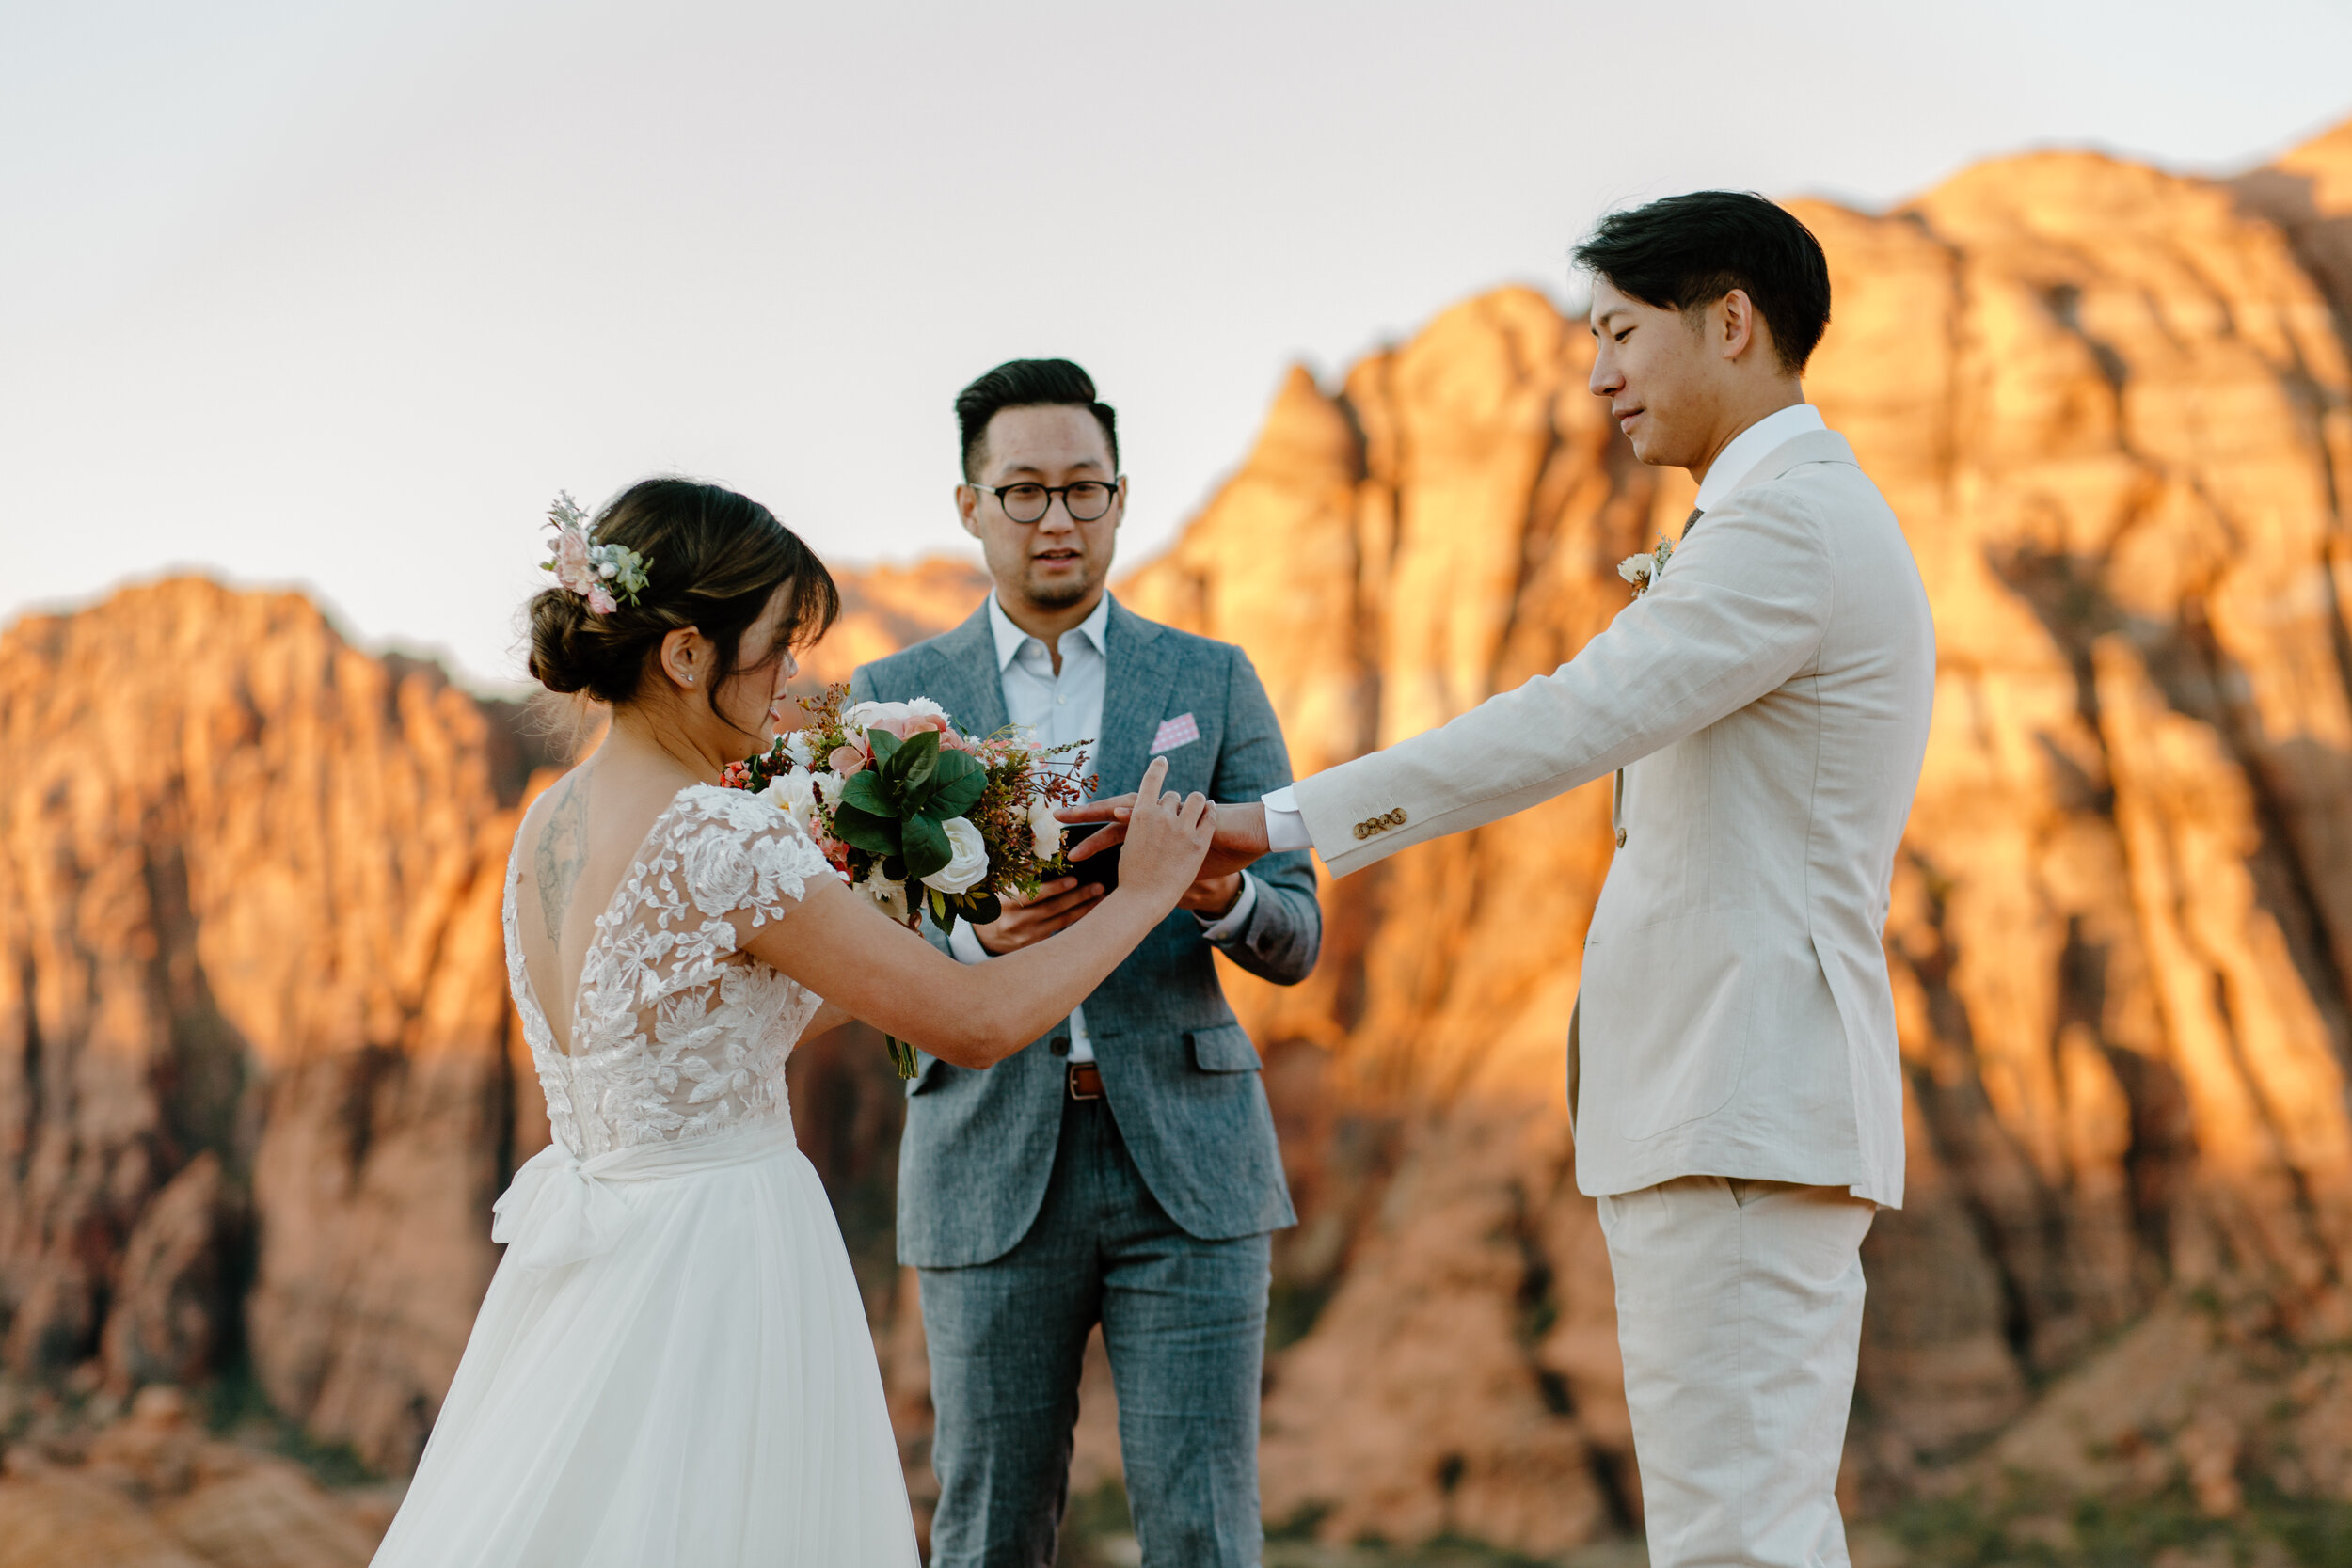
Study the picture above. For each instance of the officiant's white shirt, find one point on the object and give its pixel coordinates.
(1066, 709)
(1286, 829)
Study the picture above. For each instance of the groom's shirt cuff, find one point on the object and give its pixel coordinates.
(1285, 824)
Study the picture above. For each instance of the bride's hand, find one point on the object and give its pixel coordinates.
(1167, 836)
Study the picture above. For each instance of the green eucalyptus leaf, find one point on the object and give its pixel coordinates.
(926, 846)
(912, 764)
(866, 792)
(954, 766)
(863, 829)
(954, 799)
(881, 743)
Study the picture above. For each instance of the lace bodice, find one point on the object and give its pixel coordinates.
(675, 1033)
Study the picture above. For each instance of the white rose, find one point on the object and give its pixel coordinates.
(1045, 828)
(891, 895)
(800, 748)
(969, 866)
(795, 792)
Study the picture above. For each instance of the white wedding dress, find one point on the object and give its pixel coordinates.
(673, 1365)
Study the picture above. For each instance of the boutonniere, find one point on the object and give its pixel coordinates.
(1643, 571)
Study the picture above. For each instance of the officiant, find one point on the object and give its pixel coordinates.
(1122, 1169)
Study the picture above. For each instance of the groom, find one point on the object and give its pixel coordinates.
(1122, 1169)
(1733, 1076)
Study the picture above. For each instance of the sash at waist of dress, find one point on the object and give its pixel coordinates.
(561, 1209)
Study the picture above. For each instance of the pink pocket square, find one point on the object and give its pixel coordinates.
(1179, 731)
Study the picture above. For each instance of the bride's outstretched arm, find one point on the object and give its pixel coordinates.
(839, 946)
(829, 1016)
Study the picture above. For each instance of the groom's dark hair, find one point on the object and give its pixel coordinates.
(1028, 384)
(1688, 251)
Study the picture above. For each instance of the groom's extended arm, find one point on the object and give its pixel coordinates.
(1283, 931)
(1742, 609)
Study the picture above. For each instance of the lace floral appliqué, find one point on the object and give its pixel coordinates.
(677, 1034)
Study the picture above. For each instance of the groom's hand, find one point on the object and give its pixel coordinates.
(1240, 835)
(1062, 902)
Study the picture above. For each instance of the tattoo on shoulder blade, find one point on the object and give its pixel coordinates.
(562, 850)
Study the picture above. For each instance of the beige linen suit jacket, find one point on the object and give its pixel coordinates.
(1768, 698)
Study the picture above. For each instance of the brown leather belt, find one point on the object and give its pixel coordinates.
(1086, 1081)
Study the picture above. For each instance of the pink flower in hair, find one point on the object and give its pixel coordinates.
(591, 570)
(571, 560)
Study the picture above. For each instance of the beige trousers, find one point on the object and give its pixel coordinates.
(1740, 1313)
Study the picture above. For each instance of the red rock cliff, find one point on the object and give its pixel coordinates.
(251, 994)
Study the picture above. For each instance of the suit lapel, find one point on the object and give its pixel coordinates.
(963, 677)
(1142, 668)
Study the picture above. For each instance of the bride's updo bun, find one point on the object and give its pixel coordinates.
(713, 559)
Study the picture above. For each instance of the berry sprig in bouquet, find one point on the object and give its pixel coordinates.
(916, 814)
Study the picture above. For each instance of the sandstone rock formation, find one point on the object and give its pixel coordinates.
(259, 1082)
(886, 607)
(248, 956)
(152, 1490)
(2308, 195)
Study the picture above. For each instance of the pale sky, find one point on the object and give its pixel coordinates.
(340, 294)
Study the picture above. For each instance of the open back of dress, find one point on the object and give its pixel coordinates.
(675, 1033)
(672, 1368)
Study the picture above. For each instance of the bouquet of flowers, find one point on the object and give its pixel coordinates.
(915, 815)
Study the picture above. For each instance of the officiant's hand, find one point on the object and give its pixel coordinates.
(1213, 897)
(1062, 902)
(1240, 836)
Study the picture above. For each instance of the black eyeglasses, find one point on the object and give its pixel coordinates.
(1086, 502)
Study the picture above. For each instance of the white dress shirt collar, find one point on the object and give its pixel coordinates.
(1751, 447)
(1095, 628)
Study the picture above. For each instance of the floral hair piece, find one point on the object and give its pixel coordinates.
(595, 572)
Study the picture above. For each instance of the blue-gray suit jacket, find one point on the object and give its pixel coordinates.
(1178, 1073)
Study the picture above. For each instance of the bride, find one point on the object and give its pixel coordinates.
(672, 1364)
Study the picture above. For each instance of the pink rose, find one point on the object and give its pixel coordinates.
(903, 719)
(600, 600)
(571, 560)
(846, 760)
(907, 726)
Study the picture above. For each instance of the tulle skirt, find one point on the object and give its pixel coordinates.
(690, 1381)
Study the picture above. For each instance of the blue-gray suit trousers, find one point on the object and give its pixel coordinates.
(1185, 1321)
